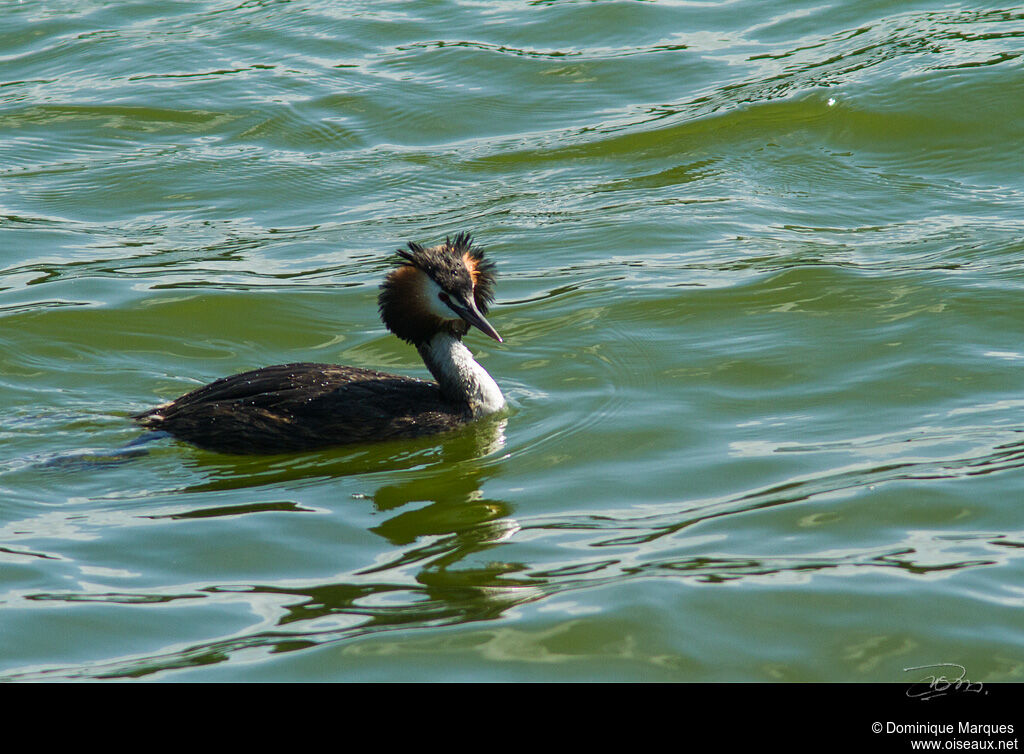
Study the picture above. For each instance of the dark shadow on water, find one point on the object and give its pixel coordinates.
(225, 472)
(92, 460)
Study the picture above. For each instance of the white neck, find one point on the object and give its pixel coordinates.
(460, 377)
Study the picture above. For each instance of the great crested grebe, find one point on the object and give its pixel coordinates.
(430, 300)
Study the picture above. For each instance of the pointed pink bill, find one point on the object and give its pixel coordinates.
(472, 315)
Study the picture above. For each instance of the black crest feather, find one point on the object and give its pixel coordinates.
(486, 270)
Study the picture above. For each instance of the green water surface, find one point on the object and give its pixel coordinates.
(761, 268)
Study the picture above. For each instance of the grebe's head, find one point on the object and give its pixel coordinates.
(445, 288)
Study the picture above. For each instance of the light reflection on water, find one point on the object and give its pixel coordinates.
(759, 274)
